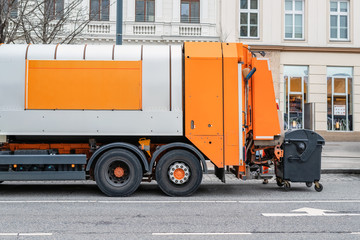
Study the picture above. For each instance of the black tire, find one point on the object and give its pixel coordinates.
(112, 185)
(279, 182)
(308, 184)
(162, 172)
(320, 188)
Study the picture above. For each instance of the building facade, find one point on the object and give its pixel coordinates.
(314, 51)
(154, 21)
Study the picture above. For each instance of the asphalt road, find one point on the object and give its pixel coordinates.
(236, 210)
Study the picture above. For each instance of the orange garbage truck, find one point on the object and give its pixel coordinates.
(120, 115)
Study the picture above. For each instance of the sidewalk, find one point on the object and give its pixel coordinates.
(341, 157)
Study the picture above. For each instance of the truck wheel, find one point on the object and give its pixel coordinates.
(178, 173)
(118, 173)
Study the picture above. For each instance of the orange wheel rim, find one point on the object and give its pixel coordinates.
(179, 173)
(119, 172)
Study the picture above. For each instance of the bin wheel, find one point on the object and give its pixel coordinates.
(308, 184)
(178, 173)
(287, 186)
(266, 181)
(279, 182)
(318, 187)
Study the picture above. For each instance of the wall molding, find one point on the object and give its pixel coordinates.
(303, 49)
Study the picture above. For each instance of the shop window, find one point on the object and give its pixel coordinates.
(296, 83)
(249, 18)
(99, 10)
(339, 99)
(190, 11)
(145, 11)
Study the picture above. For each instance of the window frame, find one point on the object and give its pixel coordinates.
(145, 12)
(348, 105)
(53, 14)
(338, 13)
(249, 11)
(11, 7)
(99, 18)
(190, 2)
(294, 12)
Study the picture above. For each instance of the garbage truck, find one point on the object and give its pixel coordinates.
(123, 114)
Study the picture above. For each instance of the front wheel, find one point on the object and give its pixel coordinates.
(118, 173)
(178, 173)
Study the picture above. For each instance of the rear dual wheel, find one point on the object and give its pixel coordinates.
(178, 173)
(118, 173)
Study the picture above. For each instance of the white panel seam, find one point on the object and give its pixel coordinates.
(264, 137)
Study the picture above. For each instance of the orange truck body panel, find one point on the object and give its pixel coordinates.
(88, 85)
(265, 116)
(231, 104)
(204, 99)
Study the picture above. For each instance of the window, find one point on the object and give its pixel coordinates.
(294, 19)
(54, 9)
(12, 4)
(296, 81)
(190, 11)
(339, 20)
(339, 99)
(249, 18)
(145, 11)
(99, 10)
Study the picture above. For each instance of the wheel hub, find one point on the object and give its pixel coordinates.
(179, 173)
(119, 172)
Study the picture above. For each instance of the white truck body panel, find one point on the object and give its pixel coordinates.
(12, 79)
(101, 52)
(41, 52)
(156, 78)
(161, 115)
(70, 52)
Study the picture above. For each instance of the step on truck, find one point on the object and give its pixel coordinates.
(120, 115)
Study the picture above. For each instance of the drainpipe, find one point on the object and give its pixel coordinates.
(119, 21)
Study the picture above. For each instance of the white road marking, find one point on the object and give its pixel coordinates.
(176, 202)
(35, 234)
(198, 234)
(26, 234)
(306, 212)
(355, 233)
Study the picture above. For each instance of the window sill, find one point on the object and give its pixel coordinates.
(144, 22)
(340, 40)
(252, 38)
(294, 39)
(190, 23)
(334, 131)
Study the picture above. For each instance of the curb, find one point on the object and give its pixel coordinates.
(323, 171)
(340, 171)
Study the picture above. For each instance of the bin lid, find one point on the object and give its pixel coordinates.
(303, 135)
